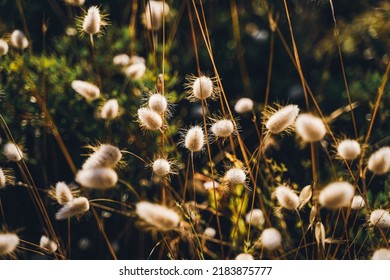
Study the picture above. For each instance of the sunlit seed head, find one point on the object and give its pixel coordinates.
(8, 243)
(287, 198)
(3, 47)
(19, 40)
(235, 176)
(149, 119)
(194, 139)
(271, 239)
(76, 3)
(158, 103)
(92, 21)
(161, 167)
(104, 156)
(255, 218)
(97, 178)
(282, 119)
(135, 71)
(357, 202)
(210, 185)
(379, 161)
(12, 152)
(110, 110)
(310, 128)
(121, 60)
(63, 193)
(380, 218)
(87, 90)
(48, 244)
(202, 87)
(75, 208)
(154, 13)
(348, 149)
(381, 254)
(210, 232)
(222, 128)
(336, 195)
(158, 216)
(243, 105)
(244, 257)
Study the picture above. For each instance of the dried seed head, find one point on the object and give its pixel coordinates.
(287, 198)
(75, 208)
(161, 167)
(244, 257)
(210, 232)
(348, 149)
(3, 179)
(310, 128)
(19, 40)
(222, 128)
(12, 152)
(63, 194)
(282, 119)
(154, 13)
(149, 119)
(97, 178)
(92, 21)
(3, 47)
(381, 254)
(87, 90)
(255, 218)
(319, 234)
(211, 184)
(48, 244)
(194, 139)
(235, 176)
(110, 110)
(75, 2)
(158, 216)
(243, 105)
(357, 202)
(6, 177)
(8, 243)
(158, 103)
(379, 162)
(271, 239)
(380, 218)
(304, 196)
(121, 60)
(200, 88)
(336, 195)
(135, 71)
(104, 156)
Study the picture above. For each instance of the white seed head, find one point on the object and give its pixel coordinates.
(194, 139)
(8, 243)
(336, 195)
(210, 232)
(87, 90)
(149, 119)
(244, 257)
(3, 47)
(235, 176)
(243, 105)
(75, 208)
(110, 110)
(271, 239)
(76, 3)
(286, 197)
(158, 216)
(381, 254)
(19, 40)
(135, 71)
(106, 156)
(154, 13)
(161, 167)
(357, 202)
(158, 103)
(211, 184)
(222, 128)
(12, 152)
(310, 128)
(202, 88)
(348, 149)
(92, 21)
(380, 218)
(48, 244)
(97, 178)
(121, 60)
(282, 119)
(255, 218)
(63, 194)
(379, 161)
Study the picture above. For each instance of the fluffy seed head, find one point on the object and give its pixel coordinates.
(211, 184)
(348, 149)
(3, 47)
(222, 128)
(75, 208)
(379, 162)
(287, 198)
(255, 218)
(75, 2)
(154, 13)
(202, 88)
(381, 254)
(104, 156)
(135, 71)
(110, 110)
(63, 194)
(210, 232)
(87, 90)
(97, 178)
(161, 167)
(158, 216)
(12, 152)
(310, 128)
(8, 243)
(194, 139)
(380, 218)
(357, 202)
(149, 119)
(121, 60)
(235, 176)
(48, 244)
(158, 103)
(244, 257)
(19, 40)
(282, 119)
(243, 105)
(92, 21)
(271, 239)
(336, 195)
